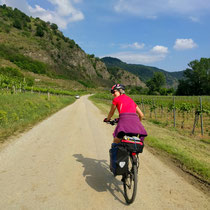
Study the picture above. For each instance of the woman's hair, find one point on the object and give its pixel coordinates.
(121, 91)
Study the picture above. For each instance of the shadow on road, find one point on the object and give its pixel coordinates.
(98, 176)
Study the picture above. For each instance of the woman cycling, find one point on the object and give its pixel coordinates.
(130, 115)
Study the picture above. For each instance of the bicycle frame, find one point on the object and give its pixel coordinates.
(135, 159)
(130, 178)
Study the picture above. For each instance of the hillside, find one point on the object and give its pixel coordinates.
(43, 54)
(144, 72)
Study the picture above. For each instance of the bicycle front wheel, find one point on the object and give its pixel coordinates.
(130, 182)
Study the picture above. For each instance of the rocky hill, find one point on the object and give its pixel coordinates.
(144, 72)
(43, 53)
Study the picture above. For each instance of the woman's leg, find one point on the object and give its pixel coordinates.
(116, 140)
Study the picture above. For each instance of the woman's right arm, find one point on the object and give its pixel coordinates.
(139, 113)
(112, 110)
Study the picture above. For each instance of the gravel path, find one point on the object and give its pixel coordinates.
(63, 163)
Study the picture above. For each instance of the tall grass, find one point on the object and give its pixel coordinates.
(19, 111)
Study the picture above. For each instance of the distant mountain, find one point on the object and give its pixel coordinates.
(40, 51)
(144, 72)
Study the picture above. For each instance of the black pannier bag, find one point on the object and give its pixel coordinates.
(118, 159)
(133, 144)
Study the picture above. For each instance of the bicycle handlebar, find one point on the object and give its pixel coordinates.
(112, 122)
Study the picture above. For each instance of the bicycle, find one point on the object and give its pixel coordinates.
(134, 146)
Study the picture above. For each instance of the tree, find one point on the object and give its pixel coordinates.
(197, 78)
(136, 90)
(156, 82)
(167, 91)
(39, 31)
(54, 26)
(4, 6)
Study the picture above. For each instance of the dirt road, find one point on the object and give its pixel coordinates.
(62, 164)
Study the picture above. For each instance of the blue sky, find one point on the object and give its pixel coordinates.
(167, 34)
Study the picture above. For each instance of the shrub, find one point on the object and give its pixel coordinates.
(12, 72)
(44, 25)
(17, 24)
(5, 27)
(29, 26)
(15, 117)
(25, 33)
(29, 82)
(3, 117)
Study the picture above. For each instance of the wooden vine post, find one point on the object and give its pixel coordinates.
(154, 107)
(198, 113)
(174, 111)
(20, 90)
(142, 101)
(150, 109)
(13, 89)
(48, 95)
(195, 121)
(201, 116)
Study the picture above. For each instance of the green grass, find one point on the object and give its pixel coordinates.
(20, 111)
(187, 160)
(190, 154)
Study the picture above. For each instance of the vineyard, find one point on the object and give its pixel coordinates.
(13, 81)
(22, 104)
(189, 115)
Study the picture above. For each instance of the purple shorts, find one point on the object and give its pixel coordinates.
(130, 123)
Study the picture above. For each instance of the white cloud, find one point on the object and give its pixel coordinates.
(76, 16)
(65, 8)
(138, 58)
(37, 9)
(47, 15)
(135, 45)
(64, 12)
(77, 1)
(184, 44)
(152, 8)
(194, 19)
(157, 53)
(160, 49)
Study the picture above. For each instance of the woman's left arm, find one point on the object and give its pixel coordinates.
(139, 112)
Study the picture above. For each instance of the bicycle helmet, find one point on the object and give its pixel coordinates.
(117, 87)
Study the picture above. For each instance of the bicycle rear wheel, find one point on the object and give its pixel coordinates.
(130, 182)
